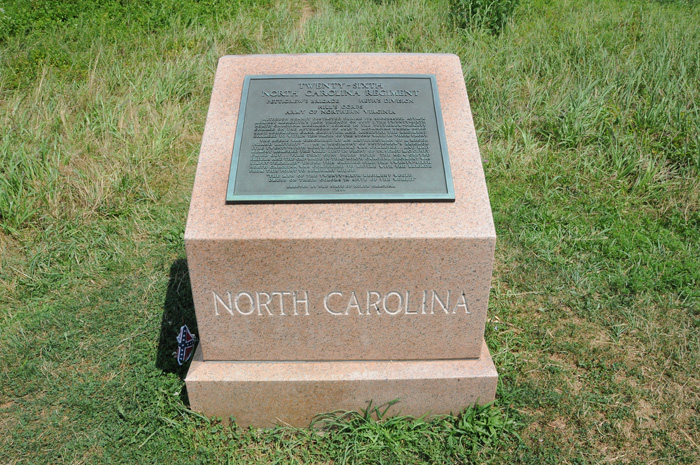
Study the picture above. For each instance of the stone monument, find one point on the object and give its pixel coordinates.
(340, 241)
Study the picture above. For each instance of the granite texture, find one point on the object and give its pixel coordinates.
(263, 394)
(269, 256)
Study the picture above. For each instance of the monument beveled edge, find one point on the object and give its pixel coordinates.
(339, 283)
(341, 137)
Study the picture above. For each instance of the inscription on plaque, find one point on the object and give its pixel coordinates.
(339, 137)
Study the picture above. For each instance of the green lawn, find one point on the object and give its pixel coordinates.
(587, 112)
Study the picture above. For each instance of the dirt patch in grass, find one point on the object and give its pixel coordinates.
(307, 11)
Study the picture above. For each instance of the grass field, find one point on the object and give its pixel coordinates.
(587, 112)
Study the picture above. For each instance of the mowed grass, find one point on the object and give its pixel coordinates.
(588, 118)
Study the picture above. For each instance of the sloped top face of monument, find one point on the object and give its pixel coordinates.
(454, 152)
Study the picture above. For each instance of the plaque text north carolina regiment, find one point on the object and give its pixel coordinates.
(339, 138)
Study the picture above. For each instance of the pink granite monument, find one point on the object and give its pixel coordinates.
(307, 306)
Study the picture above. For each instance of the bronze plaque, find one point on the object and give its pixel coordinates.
(331, 138)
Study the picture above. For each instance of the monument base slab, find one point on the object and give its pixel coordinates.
(263, 394)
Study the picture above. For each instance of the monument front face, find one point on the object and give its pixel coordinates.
(332, 265)
(341, 298)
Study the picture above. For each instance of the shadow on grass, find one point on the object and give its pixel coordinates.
(178, 310)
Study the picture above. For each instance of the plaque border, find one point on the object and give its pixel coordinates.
(232, 198)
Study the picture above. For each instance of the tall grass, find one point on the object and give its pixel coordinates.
(587, 114)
